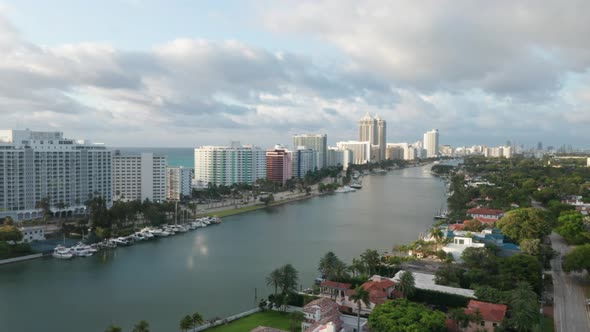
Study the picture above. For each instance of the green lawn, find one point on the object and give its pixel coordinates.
(275, 319)
(231, 212)
(548, 324)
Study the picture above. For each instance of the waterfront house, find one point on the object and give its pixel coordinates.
(323, 315)
(485, 213)
(459, 244)
(332, 289)
(33, 233)
(380, 289)
(492, 315)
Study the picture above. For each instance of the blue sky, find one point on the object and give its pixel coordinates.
(186, 73)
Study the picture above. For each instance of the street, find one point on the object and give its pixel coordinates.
(569, 302)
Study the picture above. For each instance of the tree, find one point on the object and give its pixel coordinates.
(10, 233)
(490, 294)
(274, 279)
(142, 326)
(449, 275)
(473, 225)
(406, 284)
(296, 317)
(523, 308)
(371, 259)
(404, 316)
(359, 297)
(328, 265)
(463, 319)
(572, 228)
(186, 323)
(197, 319)
(519, 268)
(8, 221)
(45, 205)
(289, 278)
(527, 223)
(113, 328)
(357, 267)
(481, 258)
(437, 235)
(578, 259)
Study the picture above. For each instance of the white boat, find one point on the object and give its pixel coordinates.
(62, 253)
(205, 221)
(137, 236)
(147, 235)
(159, 232)
(120, 241)
(356, 185)
(345, 189)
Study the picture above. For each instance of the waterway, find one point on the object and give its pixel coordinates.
(215, 270)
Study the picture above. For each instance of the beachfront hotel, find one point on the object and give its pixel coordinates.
(35, 165)
(139, 177)
(226, 165)
(374, 131)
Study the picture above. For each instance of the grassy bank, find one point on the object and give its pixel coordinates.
(231, 212)
(275, 319)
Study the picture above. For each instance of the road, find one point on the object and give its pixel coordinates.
(569, 302)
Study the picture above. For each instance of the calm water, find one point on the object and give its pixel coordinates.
(215, 270)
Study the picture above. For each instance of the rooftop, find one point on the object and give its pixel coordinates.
(490, 312)
(426, 281)
(485, 211)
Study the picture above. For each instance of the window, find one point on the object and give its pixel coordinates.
(482, 323)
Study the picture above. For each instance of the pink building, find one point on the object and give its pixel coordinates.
(278, 165)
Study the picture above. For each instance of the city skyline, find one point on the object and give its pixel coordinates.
(265, 72)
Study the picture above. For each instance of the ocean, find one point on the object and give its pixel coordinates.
(176, 156)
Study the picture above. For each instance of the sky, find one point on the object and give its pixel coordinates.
(190, 73)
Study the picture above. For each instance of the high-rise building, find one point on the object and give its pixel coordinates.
(178, 183)
(279, 165)
(361, 151)
(38, 165)
(496, 152)
(226, 165)
(304, 160)
(431, 143)
(316, 142)
(139, 176)
(374, 131)
(394, 152)
(539, 146)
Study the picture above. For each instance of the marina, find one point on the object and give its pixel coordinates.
(218, 271)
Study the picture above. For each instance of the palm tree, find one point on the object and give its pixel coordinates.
(371, 260)
(274, 279)
(197, 319)
(359, 297)
(437, 235)
(186, 323)
(142, 326)
(406, 284)
(328, 263)
(357, 267)
(523, 307)
(289, 278)
(113, 328)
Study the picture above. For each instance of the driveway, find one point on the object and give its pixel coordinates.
(569, 302)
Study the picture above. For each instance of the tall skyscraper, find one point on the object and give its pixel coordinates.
(431, 143)
(279, 165)
(374, 131)
(37, 165)
(139, 177)
(316, 142)
(226, 165)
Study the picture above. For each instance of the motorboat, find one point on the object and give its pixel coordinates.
(120, 241)
(159, 232)
(80, 251)
(146, 235)
(62, 253)
(345, 189)
(137, 236)
(356, 185)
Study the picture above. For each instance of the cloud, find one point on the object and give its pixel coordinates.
(480, 73)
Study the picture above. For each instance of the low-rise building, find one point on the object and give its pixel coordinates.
(485, 213)
(323, 315)
(33, 233)
(426, 281)
(459, 244)
(492, 315)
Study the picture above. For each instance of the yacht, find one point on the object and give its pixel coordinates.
(62, 253)
(138, 236)
(146, 234)
(120, 241)
(80, 252)
(159, 232)
(356, 185)
(345, 189)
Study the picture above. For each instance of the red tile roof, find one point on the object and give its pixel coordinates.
(456, 227)
(328, 313)
(485, 211)
(377, 290)
(335, 285)
(490, 312)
